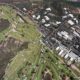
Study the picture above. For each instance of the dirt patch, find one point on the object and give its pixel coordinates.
(4, 23)
(8, 49)
(46, 75)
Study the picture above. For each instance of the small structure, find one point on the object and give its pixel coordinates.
(47, 18)
(48, 9)
(71, 22)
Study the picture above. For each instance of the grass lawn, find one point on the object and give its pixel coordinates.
(30, 34)
(2, 34)
(34, 47)
(20, 61)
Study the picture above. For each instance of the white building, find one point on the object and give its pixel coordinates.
(47, 18)
(70, 22)
(46, 25)
(48, 9)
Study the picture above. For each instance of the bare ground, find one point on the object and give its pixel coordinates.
(8, 49)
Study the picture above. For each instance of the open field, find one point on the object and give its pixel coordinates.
(24, 32)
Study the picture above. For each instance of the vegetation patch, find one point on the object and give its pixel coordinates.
(8, 50)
